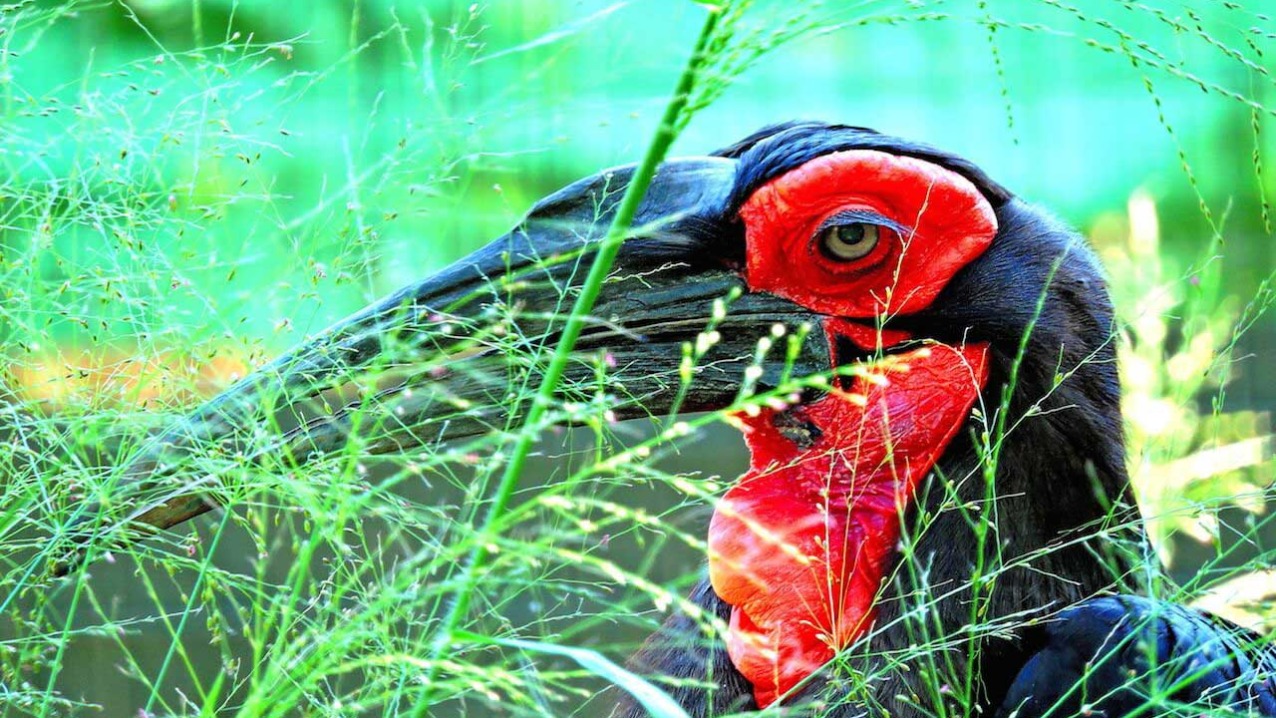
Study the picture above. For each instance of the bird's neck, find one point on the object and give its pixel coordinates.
(1058, 525)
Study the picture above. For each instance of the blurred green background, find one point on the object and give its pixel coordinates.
(274, 132)
(191, 186)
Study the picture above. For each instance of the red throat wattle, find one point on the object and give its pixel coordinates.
(800, 546)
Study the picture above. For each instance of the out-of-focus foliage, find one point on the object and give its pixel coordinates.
(328, 151)
(1189, 456)
(187, 187)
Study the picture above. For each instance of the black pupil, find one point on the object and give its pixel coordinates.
(850, 233)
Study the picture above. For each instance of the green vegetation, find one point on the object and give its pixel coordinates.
(190, 187)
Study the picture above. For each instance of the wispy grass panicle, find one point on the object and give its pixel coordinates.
(189, 189)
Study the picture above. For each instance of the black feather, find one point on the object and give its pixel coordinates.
(774, 150)
(1113, 656)
(690, 662)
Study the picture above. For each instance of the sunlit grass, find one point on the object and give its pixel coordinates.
(162, 237)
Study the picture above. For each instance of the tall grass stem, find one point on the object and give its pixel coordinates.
(609, 248)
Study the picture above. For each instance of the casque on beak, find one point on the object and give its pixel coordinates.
(435, 361)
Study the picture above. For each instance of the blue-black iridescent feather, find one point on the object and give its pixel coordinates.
(1126, 655)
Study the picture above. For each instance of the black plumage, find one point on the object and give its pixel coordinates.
(1122, 655)
(1060, 485)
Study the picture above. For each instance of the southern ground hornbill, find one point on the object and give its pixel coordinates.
(974, 427)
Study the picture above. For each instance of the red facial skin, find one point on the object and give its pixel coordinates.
(800, 546)
(949, 223)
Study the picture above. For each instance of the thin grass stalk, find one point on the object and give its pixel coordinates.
(666, 133)
(177, 645)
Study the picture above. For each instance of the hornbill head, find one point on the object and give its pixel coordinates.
(968, 332)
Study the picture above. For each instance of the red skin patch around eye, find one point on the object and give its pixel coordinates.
(801, 545)
(947, 224)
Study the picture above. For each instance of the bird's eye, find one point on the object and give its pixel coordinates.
(845, 242)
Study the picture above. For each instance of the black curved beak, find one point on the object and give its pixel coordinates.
(436, 360)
